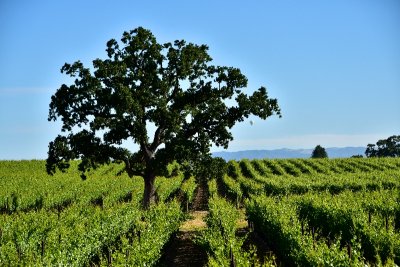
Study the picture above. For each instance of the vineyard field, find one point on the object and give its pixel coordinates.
(65, 221)
(309, 212)
(341, 212)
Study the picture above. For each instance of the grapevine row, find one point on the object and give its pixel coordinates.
(343, 218)
(222, 245)
(82, 236)
(251, 182)
(25, 191)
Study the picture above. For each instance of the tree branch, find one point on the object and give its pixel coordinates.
(147, 153)
(158, 136)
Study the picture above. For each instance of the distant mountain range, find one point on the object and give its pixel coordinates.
(333, 152)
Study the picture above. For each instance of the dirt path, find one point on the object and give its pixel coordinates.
(182, 251)
(200, 202)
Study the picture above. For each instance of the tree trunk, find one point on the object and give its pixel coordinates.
(149, 195)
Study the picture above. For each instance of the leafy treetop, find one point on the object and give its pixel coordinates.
(319, 152)
(389, 147)
(172, 88)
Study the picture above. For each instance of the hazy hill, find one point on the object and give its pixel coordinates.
(333, 152)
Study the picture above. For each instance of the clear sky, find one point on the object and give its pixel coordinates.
(333, 65)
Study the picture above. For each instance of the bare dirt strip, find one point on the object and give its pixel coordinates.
(182, 251)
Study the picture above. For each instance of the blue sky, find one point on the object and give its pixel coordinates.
(333, 65)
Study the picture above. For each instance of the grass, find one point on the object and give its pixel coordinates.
(196, 222)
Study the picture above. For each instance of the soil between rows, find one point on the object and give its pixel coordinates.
(182, 251)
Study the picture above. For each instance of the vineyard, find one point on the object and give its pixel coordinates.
(306, 212)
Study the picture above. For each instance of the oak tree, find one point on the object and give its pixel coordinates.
(319, 152)
(167, 98)
(389, 147)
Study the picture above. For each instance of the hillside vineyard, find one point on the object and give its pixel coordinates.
(331, 212)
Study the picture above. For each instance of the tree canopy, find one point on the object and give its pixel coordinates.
(319, 152)
(166, 98)
(389, 147)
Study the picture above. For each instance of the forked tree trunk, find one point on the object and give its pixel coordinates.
(149, 195)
